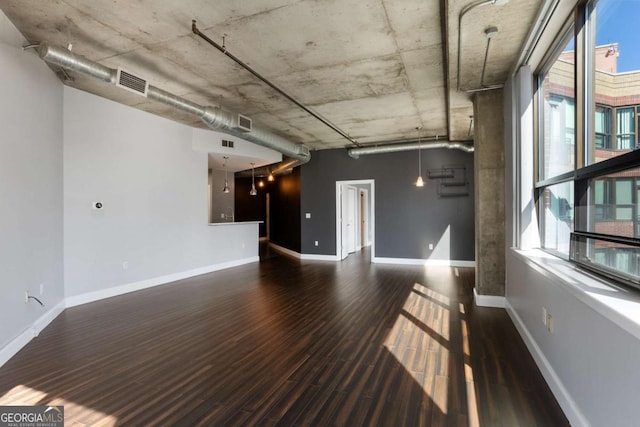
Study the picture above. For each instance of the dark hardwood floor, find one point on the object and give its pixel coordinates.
(288, 343)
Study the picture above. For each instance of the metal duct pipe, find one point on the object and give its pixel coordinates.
(67, 59)
(174, 101)
(214, 118)
(392, 148)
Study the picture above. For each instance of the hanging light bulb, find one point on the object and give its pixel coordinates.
(270, 178)
(419, 181)
(226, 181)
(253, 191)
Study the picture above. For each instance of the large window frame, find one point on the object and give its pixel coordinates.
(595, 251)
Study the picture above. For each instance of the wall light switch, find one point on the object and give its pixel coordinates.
(307, 215)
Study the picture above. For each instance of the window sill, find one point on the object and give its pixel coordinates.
(620, 305)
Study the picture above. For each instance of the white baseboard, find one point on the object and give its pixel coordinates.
(316, 257)
(15, 345)
(494, 301)
(568, 405)
(156, 281)
(424, 262)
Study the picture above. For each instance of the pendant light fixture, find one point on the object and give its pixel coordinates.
(270, 178)
(253, 191)
(419, 181)
(226, 181)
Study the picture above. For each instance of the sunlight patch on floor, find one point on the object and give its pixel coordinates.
(472, 401)
(419, 340)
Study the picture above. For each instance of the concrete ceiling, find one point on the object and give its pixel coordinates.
(375, 68)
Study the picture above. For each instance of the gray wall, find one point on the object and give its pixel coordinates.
(285, 211)
(30, 185)
(407, 218)
(154, 189)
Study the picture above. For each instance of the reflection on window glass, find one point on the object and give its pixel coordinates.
(603, 127)
(625, 128)
(557, 216)
(617, 80)
(614, 204)
(616, 258)
(557, 148)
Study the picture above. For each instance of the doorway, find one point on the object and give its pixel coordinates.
(355, 216)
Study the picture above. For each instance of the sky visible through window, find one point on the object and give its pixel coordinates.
(617, 22)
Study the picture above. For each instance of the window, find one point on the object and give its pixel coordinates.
(559, 119)
(625, 132)
(588, 178)
(603, 127)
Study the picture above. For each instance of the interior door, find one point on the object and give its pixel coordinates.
(351, 226)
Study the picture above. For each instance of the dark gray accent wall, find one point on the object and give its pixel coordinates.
(285, 211)
(407, 218)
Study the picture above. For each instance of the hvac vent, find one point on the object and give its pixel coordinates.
(131, 83)
(243, 123)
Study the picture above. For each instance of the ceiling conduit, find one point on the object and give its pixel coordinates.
(214, 118)
(392, 148)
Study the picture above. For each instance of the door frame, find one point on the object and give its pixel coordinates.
(363, 217)
(372, 212)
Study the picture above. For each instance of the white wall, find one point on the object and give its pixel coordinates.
(590, 360)
(30, 186)
(154, 189)
(594, 360)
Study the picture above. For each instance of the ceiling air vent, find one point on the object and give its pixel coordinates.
(131, 83)
(243, 123)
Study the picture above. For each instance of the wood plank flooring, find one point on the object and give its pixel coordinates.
(290, 343)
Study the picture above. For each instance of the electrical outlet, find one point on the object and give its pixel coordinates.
(41, 288)
(222, 215)
(307, 215)
(430, 246)
(316, 243)
(26, 297)
(549, 323)
(544, 316)
(125, 265)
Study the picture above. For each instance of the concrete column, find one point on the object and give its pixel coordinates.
(488, 110)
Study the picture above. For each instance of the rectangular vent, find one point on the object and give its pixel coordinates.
(131, 83)
(244, 123)
(227, 143)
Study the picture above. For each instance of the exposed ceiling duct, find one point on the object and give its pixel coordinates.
(392, 148)
(214, 118)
